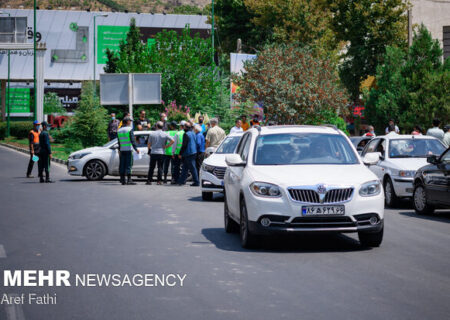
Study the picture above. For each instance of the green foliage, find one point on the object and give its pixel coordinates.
(190, 9)
(367, 26)
(176, 113)
(294, 85)
(52, 104)
(412, 88)
(113, 5)
(18, 129)
(88, 127)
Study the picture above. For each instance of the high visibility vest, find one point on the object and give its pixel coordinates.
(35, 136)
(169, 151)
(125, 139)
(179, 141)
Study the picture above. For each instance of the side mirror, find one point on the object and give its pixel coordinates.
(234, 160)
(433, 159)
(209, 151)
(115, 146)
(371, 158)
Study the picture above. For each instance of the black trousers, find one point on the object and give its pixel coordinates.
(155, 159)
(199, 160)
(30, 165)
(167, 161)
(43, 165)
(126, 162)
(176, 168)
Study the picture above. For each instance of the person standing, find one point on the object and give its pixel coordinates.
(113, 126)
(125, 115)
(391, 130)
(237, 127)
(201, 119)
(176, 160)
(126, 145)
(142, 123)
(391, 123)
(169, 152)
(436, 131)
(33, 139)
(417, 131)
(447, 135)
(370, 132)
(188, 152)
(245, 125)
(215, 134)
(254, 121)
(200, 142)
(45, 154)
(158, 142)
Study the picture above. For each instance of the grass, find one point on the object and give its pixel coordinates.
(58, 150)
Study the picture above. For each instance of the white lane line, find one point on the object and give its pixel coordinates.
(14, 311)
(2, 251)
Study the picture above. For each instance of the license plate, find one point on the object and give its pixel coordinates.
(323, 210)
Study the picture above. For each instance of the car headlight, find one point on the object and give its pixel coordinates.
(265, 189)
(208, 168)
(79, 155)
(369, 189)
(406, 173)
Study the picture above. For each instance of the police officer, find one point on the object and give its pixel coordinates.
(45, 154)
(127, 143)
(169, 152)
(33, 138)
(176, 161)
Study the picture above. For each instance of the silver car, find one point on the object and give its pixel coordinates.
(94, 163)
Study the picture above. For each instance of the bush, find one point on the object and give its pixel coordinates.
(18, 129)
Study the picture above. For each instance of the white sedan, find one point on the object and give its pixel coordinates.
(399, 157)
(213, 168)
(301, 179)
(94, 163)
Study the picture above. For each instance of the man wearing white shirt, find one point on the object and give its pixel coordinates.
(392, 123)
(238, 127)
(436, 131)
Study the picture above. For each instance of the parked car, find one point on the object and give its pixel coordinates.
(94, 163)
(287, 179)
(399, 157)
(213, 168)
(360, 142)
(432, 184)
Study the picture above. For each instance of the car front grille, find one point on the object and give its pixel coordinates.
(311, 196)
(322, 222)
(219, 172)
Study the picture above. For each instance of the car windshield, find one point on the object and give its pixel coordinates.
(414, 148)
(303, 148)
(110, 143)
(228, 145)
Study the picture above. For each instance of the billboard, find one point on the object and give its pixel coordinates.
(109, 37)
(19, 100)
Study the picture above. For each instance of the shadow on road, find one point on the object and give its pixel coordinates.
(217, 198)
(288, 243)
(440, 216)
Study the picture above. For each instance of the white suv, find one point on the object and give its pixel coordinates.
(301, 179)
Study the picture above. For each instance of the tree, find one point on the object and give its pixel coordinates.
(411, 87)
(367, 26)
(294, 85)
(52, 104)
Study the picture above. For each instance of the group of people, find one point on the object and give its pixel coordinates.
(434, 131)
(40, 151)
(180, 146)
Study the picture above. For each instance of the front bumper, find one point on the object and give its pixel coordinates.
(403, 186)
(209, 182)
(75, 167)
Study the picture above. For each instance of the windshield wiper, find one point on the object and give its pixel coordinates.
(402, 156)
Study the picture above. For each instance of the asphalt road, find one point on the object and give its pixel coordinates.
(103, 227)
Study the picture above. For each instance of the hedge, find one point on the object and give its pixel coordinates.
(18, 129)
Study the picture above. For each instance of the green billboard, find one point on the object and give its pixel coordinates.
(19, 100)
(109, 37)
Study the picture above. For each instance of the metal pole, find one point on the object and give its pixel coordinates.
(212, 30)
(7, 95)
(34, 62)
(93, 63)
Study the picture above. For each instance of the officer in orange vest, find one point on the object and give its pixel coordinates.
(33, 138)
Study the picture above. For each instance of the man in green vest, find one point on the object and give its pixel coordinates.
(127, 143)
(176, 161)
(168, 154)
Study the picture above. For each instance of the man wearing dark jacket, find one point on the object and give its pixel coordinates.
(33, 139)
(45, 154)
(189, 154)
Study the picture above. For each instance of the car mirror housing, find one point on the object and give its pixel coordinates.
(210, 150)
(234, 160)
(115, 146)
(371, 158)
(433, 159)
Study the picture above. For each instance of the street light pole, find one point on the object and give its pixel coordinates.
(93, 61)
(8, 126)
(212, 30)
(34, 60)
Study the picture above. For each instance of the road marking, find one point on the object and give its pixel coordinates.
(14, 311)
(2, 251)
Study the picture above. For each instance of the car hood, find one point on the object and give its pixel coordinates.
(412, 164)
(91, 150)
(216, 159)
(310, 175)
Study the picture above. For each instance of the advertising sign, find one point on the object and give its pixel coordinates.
(19, 100)
(109, 37)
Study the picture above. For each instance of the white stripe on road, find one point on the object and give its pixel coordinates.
(14, 311)
(2, 251)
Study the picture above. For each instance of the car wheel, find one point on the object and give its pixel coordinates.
(230, 225)
(390, 198)
(94, 170)
(371, 239)
(248, 240)
(420, 203)
(207, 196)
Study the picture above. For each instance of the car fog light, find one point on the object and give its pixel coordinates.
(373, 220)
(265, 222)
(72, 168)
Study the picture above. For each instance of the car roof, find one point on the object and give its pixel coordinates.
(407, 136)
(296, 129)
(235, 134)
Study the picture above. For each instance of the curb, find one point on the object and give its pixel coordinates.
(23, 150)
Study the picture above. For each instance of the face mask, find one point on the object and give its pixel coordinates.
(200, 121)
(165, 118)
(113, 118)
